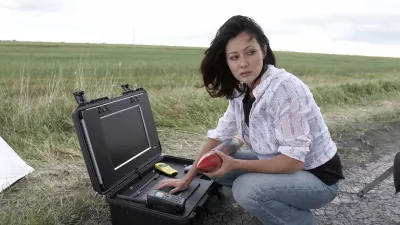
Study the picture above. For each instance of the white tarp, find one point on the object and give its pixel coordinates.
(12, 167)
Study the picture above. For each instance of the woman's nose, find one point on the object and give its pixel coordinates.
(243, 63)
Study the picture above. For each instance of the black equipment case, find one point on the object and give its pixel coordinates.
(120, 145)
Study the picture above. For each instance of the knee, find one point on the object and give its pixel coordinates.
(245, 192)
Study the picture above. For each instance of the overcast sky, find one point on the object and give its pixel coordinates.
(359, 27)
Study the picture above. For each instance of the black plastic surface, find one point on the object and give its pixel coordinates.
(111, 132)
(139, 211)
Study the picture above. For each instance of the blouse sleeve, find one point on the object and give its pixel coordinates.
(291, 104)
(226, 125)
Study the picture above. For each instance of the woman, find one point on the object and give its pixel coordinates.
(293, 165)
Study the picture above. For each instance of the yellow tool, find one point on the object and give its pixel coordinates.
(165, 168)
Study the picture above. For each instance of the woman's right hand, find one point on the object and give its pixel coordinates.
(182, 184)
(178, 184)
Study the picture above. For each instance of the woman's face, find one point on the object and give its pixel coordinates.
(245, 58)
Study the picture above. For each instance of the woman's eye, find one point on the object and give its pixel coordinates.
(251, 52)
(233, 57)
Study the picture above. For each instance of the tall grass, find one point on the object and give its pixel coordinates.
(361, 93)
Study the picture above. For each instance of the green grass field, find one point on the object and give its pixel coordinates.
(37, 81)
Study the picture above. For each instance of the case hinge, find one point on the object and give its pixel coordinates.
(139, 173)
(148, 165)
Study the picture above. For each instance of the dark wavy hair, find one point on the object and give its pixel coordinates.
(217, 77)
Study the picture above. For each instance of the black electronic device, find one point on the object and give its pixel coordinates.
(120, 145)
(164, 200)
(159, 200)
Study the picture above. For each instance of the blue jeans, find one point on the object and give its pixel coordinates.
(278, 198)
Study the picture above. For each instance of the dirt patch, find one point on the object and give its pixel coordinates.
(341, 116)
(368, 143)
(56, 193)
(181, 143)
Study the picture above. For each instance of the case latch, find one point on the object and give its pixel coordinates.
(79, 97)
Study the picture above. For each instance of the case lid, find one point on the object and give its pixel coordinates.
(119, 137)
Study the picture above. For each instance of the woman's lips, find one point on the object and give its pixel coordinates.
(245, 74)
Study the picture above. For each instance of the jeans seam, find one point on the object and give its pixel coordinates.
(265, 210)
(334, 194)
(279, 220)
(257, 199)
(329, 188)
(273, 189)
(315, 189)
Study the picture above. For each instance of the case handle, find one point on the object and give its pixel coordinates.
(127, 89)
(79, 97)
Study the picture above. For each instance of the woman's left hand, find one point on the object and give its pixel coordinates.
(226, 166)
